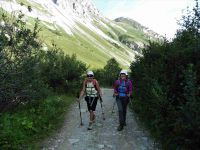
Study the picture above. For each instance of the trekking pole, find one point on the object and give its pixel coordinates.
(113, 104)
(101, 101)
(79, 106)
(131, 101)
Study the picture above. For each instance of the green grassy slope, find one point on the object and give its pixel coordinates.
(136, 32)
(89, 46)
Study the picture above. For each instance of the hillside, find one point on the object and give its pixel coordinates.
(137, 35)
(77, 27)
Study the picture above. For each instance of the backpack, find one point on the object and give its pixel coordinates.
(94, 82)
(123, 89)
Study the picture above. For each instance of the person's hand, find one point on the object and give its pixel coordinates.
(101, 95)
(128, 95)
(100, 98)
(78, 99)
(116, 94)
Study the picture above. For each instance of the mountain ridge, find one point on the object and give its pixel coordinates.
(77, 27)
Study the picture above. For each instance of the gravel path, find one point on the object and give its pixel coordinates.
(104, 135)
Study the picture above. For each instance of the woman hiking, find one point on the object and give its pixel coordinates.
(122, 91)
(92, 92)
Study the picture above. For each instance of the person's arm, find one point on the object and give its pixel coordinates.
(98, 88)
(130, 88)
(115, 88)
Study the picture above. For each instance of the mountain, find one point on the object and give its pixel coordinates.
(137, 35)
(77, 27)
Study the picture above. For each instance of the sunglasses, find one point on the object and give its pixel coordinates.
(90, 75)
(123, 74)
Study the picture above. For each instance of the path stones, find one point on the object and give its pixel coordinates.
(101, 146)
(110, 146)
(73, 141)
(83, 110)
(104, 135)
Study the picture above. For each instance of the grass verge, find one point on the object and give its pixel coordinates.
(25, 127)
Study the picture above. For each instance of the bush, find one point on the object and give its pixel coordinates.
(166, 87)
(19, 51)
(28, 73)
(109, 73)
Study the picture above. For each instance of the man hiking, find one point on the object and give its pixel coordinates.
(92, 92)
(122, 91)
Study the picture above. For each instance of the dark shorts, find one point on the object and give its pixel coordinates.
(91, 103)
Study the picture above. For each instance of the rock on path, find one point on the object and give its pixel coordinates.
(104, 135)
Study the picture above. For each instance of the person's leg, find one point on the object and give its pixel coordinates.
(124, 106)
(88, 100)
(120, 110)
(93, 108)
(90, 122)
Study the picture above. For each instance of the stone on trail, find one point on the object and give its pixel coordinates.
(101, 146)
(83, 110)
(73, 141)
(99, 124)
(110, 146)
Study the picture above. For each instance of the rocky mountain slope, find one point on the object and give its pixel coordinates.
(77, 27)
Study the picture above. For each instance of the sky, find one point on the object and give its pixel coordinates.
(160, 16)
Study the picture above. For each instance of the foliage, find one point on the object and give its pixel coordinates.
(61, 72)
(28, 72)
(19, 51)
(24, 128)
(166, 87)
(109, 73)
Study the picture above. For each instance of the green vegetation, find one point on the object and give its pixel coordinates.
(33, 82)
(95, 55)
(27, 125)
(109, 73)
(23, 2)
(166, 87)
(107, 30)
(134, 36)
(32, 5)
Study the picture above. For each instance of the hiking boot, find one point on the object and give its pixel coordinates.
(120, 128)
(90, 126)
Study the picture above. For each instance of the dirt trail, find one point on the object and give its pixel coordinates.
(104, 135)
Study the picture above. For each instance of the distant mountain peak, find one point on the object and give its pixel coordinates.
(78, 27)
(139, 26)
(131, 21)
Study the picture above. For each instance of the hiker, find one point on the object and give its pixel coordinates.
(92, 92)
(122, 91)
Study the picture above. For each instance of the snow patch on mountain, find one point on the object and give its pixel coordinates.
(65, 13)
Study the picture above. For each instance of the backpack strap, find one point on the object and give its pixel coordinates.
(127, 83)
(94, 82)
